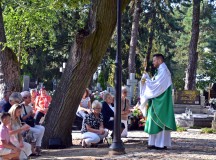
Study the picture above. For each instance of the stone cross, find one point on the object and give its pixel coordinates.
(26, 80)
(132, 82)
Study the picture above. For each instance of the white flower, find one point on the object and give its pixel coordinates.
(212, 101)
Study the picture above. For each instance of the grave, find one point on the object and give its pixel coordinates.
(196, 120)
(111, 90)
(131, 83)
(26, 80)
(190, 99)
(214, 122)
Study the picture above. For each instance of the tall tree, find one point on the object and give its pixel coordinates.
(134, 35)
(9, 66)
(88, 50)
(190, 78)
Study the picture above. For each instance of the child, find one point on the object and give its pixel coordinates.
(7, 149)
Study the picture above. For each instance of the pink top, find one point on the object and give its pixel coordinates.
(42, 102)
(4, 134)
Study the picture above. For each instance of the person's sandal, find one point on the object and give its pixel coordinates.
(38, 151)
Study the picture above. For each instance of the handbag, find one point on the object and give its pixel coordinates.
(30, 120)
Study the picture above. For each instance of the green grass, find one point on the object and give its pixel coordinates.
(181, 129)
(208, 130)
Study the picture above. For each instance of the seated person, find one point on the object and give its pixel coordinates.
(16, 130)
(42, 103)
(27, 115)
(7, 149)
(5, 99)
(14, 98)
(85, 105)
(93, 129)
(125, 110)
(108, 112)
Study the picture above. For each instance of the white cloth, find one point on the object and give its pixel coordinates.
(125, 131)
(26, 150)
(161, 139)
(153, 88)
(5, 151)
(38, 133)
(90, 137)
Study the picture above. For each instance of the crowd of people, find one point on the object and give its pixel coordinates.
(97, 112)
(21, 115)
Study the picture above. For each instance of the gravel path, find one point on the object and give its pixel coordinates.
(190, 145)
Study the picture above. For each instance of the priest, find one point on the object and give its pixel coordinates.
(157, 105)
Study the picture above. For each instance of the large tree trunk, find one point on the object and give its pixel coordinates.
(134, 35)
(190, 79)
(9, 66)
(85, 55)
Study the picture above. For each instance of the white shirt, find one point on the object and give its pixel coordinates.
(28, 110)
(84, 102)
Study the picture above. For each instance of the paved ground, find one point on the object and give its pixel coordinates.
(190, 145)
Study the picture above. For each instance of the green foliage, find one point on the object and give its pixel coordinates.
(208, 130)
(181, 129)
(101, 80)
(111, 75)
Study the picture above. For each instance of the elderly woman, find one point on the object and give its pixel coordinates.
(14, 98)
(85, 105)
(15, 130)
(125, 110)
(93, 129)
(108, 112)
(27, 114)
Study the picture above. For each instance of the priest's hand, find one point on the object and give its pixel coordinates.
(144, 77)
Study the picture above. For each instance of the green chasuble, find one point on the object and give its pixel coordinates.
(160, 114)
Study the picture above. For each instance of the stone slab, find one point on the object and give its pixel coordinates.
(180, 108)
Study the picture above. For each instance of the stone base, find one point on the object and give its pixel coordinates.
(180, 108)
(213, 124)
(184, 121)
(198, 120)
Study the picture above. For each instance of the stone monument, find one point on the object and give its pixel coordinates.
(214, 122)
(26, 80)
(131, 83)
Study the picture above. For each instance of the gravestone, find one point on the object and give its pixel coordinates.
(54, 82)
(111, 90)
(214, 122)
(190, 99)
(26, 80)
(131, 83)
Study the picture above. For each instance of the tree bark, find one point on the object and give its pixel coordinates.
(190, 78)
(87, 52)
(134, 35)
(9, 66)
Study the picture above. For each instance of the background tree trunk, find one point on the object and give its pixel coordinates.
(150, 39)
(190, 78)
(134, 35)
(88, 50)
(9, 66)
